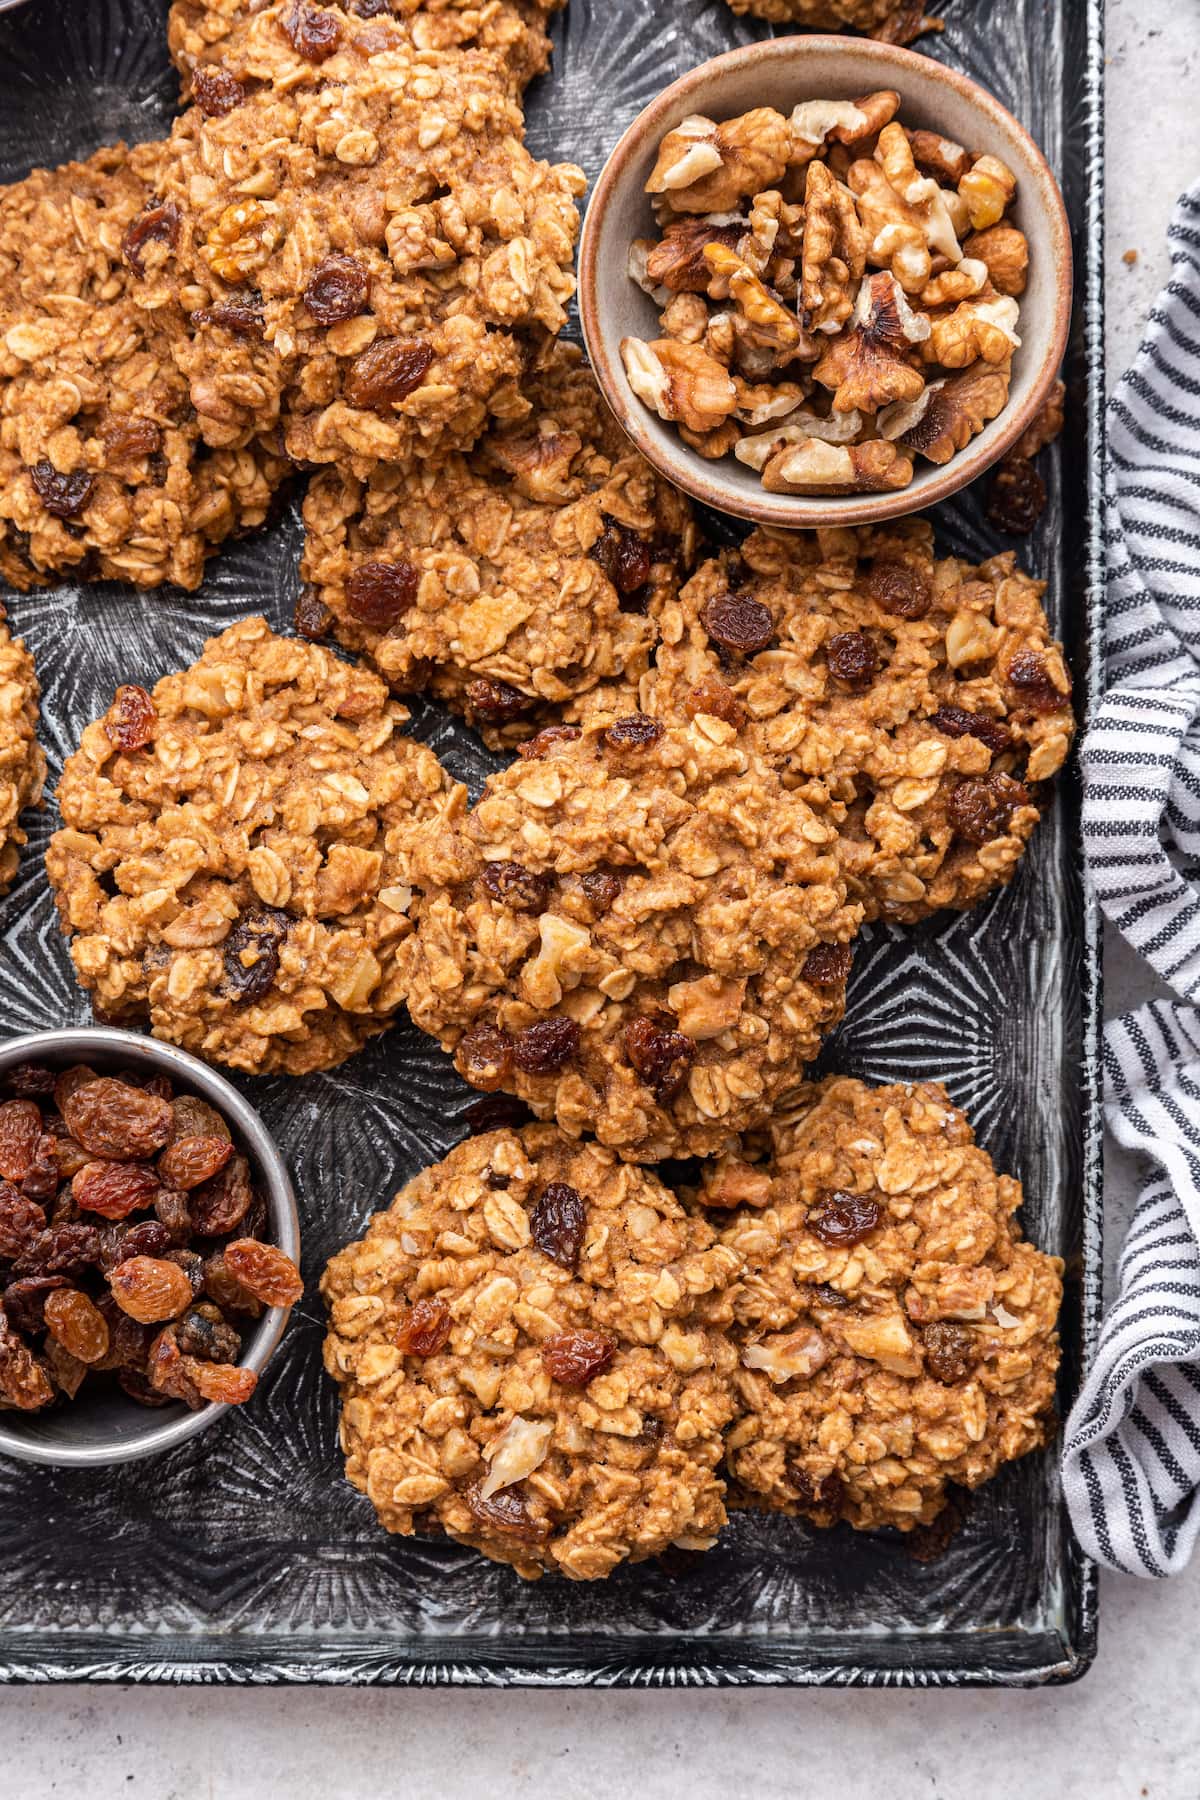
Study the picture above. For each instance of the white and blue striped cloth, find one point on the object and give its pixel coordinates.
(1131, 1464)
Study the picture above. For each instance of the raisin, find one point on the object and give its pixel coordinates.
(128, 439)
(387, 373)
(42, 1178)
(130, 720)
(380, 593)
(600, 889)
(312, 618)
(24, 1383)
(712, 696)
(828, 965)
(149, 1237)
(852, 659)
(313, 33)
(899, 588)
(138, 1388)
(980, 808)
(534, 748)
(515, 886)
(69, 1081)
(221, 1383)
(218, 1205)
(738, 623)
(576, 1357)
(495, 702)
(223, 1288)
(929, 1543)
(240, 312)
(114, 1189)
(217, 91)
(955, 722)
(169, 1372)
(558, 1224)
(173, 1212)
(1018, 497)
(74, 1321)
(20, 1133)
(426, 1329)
(30, 1081)
(842, 1220)
(662, 1058)
(820, 1496)
(193, 1117)
(188, 1161)
(370, 9)
(63, 496)
(128, 1342)
(25, 1301)
(1028, 674)
(830, 1296)
(497, 1112)
(484, 1056)
(634, 732)
(66, 1249)
(264, 1271)
(949, 1352)
(624, 557)
(65, 1371)
(157, 225)
(206, 1335)
(149, 1288)
(192, 1265)
(546, 1047)
(109, 1118)
(337, 290)
(252, 954)
(506, 1513)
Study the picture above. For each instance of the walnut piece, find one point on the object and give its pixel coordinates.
(680, 381)
(834, 251)
(871, 365)
(813, 467)
(957, 410)
(1046, 427)
(984, 328)
(704, 167)
(1005, 253)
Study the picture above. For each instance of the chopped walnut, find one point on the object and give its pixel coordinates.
(834, 252)
(978, 328)
(987, 187)
(956, 410)
(871, 365)
(763, 325)
(1004, 252)
(704, 167)
(813, 122)
(813, 467)
(1046, 427)
(680, 381)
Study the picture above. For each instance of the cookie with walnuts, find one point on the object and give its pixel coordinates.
(894, 21)
(529, 1347)
(211, 38)
(896, 1332)
(103, 469)
(638, 930)
(22, 765)
(918, 700)
(224, 869)
(364, 246)
(509, 582)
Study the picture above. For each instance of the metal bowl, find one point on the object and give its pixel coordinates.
(106, 1427)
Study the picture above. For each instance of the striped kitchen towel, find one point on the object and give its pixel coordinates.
(1131, 1465)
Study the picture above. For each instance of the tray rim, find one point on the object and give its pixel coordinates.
(89, 1659)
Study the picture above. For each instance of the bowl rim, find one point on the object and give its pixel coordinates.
(684, 467)
(282, 1215)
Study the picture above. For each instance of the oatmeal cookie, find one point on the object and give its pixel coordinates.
(529, 1349)
(368, 253)
(919, 701)
(224, 868)
(22, 765)
(511, 582)
(229, 35)
(637, 930)
(895, 21)
(896, 1333)
(103, 473)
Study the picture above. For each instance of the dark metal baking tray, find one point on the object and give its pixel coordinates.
(244, 1557)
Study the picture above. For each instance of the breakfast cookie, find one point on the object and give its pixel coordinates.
(511, 582)
(895, 1331)
(229, 35)
(528, 1349)
(637, 930)
(224, 867)
(919, 701)
(103, 473)
(894, 21)
(368, 253)
(22, 765)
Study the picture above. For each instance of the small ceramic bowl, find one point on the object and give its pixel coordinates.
(106, 1427)
(780, 72)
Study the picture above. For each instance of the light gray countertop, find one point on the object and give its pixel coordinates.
(1131, 1728)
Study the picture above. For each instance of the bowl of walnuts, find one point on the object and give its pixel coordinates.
(149, 1244)
(825, 282)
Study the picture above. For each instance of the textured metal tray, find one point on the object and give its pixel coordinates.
(244, 1556)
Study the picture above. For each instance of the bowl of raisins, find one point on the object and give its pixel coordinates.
(149, 1244)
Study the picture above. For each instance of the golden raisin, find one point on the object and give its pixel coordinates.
(150, 1289)
(264, 1271)
(72, 1319)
